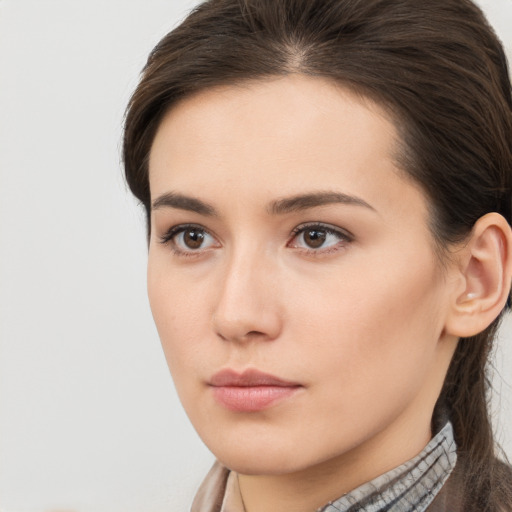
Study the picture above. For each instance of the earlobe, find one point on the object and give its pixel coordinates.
(485, 271)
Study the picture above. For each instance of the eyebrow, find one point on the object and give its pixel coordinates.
(306, 201)
(279, 207)
(182, 202)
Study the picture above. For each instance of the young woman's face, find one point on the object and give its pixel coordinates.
(293, 280)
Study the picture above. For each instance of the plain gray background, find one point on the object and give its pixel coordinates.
(89, 420)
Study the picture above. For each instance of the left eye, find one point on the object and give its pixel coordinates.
(317, 237)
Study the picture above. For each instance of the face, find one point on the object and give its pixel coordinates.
(292, 277)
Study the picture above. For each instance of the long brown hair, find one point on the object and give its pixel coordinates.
(440, 72)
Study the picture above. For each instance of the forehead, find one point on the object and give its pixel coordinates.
(276, 137)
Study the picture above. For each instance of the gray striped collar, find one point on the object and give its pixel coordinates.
(409, 487)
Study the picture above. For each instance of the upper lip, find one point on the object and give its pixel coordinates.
(248, 378)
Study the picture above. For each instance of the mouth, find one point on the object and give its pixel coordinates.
(250, 391)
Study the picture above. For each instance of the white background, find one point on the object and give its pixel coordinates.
(89, 420)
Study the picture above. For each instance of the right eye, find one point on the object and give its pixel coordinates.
(187, 240)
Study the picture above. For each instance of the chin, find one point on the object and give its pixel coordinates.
(262, 464)
(263, 459)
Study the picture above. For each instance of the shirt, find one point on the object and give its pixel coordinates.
(410, 487)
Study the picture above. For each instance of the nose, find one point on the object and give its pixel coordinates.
(248, 303)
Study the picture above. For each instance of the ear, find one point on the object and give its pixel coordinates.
(484, 272)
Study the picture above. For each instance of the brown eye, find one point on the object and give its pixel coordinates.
(193, 238)
(188, 240)
(320, 238)
(314, 238)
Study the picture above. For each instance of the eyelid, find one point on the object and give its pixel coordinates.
(336, 230)
(178, 228)
(344, 236)
(172, 232)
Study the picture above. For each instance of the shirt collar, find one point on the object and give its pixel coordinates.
(409, 487)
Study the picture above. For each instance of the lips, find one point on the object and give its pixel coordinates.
(250, 391)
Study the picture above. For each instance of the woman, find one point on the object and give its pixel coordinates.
(328, 193)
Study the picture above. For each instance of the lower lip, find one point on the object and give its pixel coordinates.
(252, 398)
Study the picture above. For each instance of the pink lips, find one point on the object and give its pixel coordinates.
(250, 391)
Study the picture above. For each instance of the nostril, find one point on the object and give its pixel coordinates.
(250, 334)
(222, 337)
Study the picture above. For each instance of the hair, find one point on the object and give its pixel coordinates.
(440, 72)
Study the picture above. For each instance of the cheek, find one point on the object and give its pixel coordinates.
(178, 310)
(378, 324)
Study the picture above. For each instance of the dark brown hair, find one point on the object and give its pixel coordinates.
(437, 68)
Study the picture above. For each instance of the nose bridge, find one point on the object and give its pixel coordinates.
(247, 304)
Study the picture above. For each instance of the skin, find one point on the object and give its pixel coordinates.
(359, 321)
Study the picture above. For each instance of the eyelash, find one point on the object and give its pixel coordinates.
(167, 239)
(344, 238)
